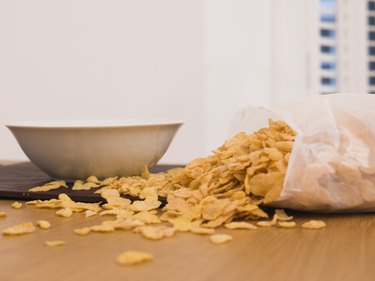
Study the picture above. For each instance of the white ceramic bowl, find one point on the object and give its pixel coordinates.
(73, 150)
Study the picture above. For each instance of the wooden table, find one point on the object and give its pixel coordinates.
(344, 250)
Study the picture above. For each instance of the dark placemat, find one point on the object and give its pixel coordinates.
(17, 179)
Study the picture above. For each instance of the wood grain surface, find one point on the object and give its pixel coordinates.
(344, 250)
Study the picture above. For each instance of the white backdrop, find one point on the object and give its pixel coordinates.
(199, 61)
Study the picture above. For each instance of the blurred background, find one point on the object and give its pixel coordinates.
(196, 60)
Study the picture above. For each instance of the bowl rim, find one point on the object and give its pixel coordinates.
(90, 123)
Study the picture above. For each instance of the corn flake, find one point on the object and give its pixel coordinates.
(133, 257)
(146, 217)
(49, 186)
(66, 212)
(124, 224)
(286, 224)
(119, 213)
(82, 231)
(80, 185)
(240, 225)
(19, 229)
(102, 228)
(282, 216)
(182, 224)
(43, 224)
(93, 179)
(68, 203)
(17, 205)
(90, 213)
(145, 205)
(114, 199)
(220, 238)
(49, 204)
(202, 230)
(268, 223)
(55, 243)
(314, 224)
(156, 232)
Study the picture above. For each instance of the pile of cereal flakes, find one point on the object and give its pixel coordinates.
(225, 189)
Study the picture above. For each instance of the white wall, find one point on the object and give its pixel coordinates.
(190, 60)
(196, 60)
(238, 61)
(103, 59)
(293, 49)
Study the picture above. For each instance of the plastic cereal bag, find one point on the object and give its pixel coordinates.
(332, 164)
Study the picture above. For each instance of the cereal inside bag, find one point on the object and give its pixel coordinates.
(332, 164)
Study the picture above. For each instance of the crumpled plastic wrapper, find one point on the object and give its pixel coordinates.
(332, 165)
